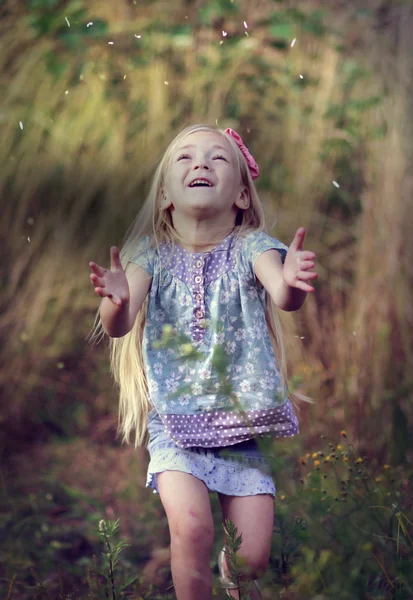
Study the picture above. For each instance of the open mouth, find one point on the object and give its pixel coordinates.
(200, 183)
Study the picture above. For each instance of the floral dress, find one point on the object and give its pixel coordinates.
(214, 381)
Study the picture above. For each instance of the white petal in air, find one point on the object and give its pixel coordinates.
(67, 21)
(336, 184)
(292, 43)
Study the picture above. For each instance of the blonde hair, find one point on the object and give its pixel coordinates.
(126, 360)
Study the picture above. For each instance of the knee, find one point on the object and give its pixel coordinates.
(193, 529)
(253, 565)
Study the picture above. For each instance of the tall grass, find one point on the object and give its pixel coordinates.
(96, 118)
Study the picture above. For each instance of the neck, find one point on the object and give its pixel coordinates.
(201, 236)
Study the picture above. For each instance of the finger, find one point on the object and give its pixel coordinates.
(307, 255)
(97, 269)
(115, 258)
(299, 238)
(96, 281)
(306, 264)
(307, 275)
(304, 286)
(115, 299)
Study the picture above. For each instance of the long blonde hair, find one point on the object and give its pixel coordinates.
(126, 361)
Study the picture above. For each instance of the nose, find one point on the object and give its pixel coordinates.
(201, 164)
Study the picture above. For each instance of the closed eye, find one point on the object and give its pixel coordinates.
(220, 156)
(183, 156)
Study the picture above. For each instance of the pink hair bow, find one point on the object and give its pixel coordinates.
(254, 170)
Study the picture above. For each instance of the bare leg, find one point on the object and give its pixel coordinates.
(254, 518)
(188, 509)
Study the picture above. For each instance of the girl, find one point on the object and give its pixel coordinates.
(188, 307)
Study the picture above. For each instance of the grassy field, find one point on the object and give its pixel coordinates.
(91, 95)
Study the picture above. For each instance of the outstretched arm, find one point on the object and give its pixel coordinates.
(287, 284)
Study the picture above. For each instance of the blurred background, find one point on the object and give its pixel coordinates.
(91, 95)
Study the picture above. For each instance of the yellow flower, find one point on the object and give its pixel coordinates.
(316, 463)
(339, 447)
(345, 459)
(343, 433)
(359, 460)
(302, 461)
(378, 479)
(308, 455)
(282, 498)
(314, 455)
(386, 467)
(327, 458)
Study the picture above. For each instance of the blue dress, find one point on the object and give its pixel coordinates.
(212, 300)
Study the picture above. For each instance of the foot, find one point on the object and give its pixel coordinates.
(231, 590)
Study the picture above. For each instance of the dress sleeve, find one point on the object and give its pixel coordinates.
(258, 242)
(144, 255)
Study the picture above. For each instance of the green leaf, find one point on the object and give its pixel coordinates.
(128, 582)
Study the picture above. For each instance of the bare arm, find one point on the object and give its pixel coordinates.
(117, 321)
(287, 284)
(123, 292)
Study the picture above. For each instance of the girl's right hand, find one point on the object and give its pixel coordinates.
(112, 283)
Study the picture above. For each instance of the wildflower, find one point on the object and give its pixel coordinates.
(359, 460)
(327, 459)
(302, 461)
(378, 479)
(282, 498)
(386, 467)
(345, 459)
(339, 447)
(314, 455)
(308, 455)
(316, 463)
(343, 433)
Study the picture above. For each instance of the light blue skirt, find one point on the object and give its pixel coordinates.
(238, 470)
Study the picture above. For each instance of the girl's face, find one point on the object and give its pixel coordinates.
(203, 178)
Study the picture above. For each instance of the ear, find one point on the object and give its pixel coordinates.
(165, 203)
(243, 200)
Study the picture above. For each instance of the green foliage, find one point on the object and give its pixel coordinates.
(236, 566)
(346, 512)
(111, 589)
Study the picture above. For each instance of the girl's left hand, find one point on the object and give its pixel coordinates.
(298, 264)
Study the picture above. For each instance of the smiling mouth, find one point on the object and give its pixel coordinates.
(200, 183)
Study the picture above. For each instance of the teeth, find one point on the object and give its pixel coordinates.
(201, 181)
